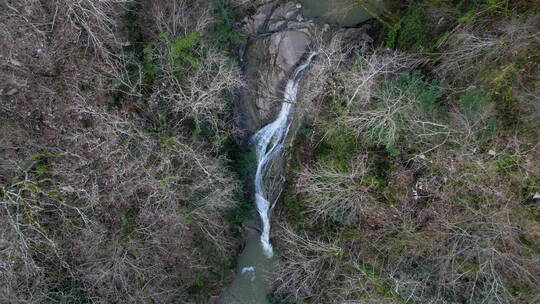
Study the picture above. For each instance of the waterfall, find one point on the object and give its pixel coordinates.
(269, 147)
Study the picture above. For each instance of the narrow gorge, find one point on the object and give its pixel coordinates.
(283, 45)
(269, 151)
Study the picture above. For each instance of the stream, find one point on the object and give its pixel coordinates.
(253, 280)
(279, 51)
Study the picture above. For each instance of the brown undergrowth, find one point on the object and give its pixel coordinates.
(421, 183)
(112, 185)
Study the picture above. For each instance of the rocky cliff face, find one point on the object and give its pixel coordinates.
(279, 38)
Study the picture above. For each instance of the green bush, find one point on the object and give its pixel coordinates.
(181, 49)
(149, 69)
(402, 106)
(474, 105)
(413, 32)
(337, 144)
(223, 36)
(415, 87)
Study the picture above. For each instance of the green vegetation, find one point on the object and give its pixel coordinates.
(401, 104)
(413, 31)
(421, 188)
(181, 49)
(222, 34)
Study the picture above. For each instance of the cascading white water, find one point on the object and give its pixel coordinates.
(269, 146)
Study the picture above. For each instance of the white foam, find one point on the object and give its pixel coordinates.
(269, 145)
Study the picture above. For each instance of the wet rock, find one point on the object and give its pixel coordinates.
(280, 38)
(277, 26)
(12, 91)
(270, 61)
(286, 49)
(255, 24)
(279, 42)
(285, 11)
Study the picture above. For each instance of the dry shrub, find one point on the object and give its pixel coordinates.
(461, 240)
(448, 226)
(332, 56)
(400, 110)
(167, 194)
(476, 47)
(309, 266)
(127, 210)
(193, 81)
(179, 18)
(109, 209)
(363, 78)
(97, 20)
(333, 194)
(201, 97)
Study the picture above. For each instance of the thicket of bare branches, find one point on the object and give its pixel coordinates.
(370, 70)
(447, 218)
(474, 47)
(451, 235)
(307, 266)
(103, 199)
(331, 193)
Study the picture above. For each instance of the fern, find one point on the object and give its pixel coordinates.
(182, 48)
